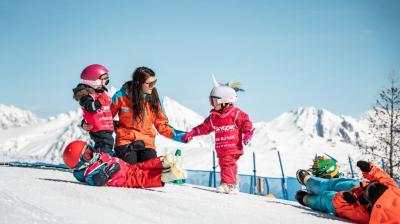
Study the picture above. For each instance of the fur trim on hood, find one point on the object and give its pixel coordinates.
(82, 90)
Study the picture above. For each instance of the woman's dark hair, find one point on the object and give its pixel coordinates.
(139, 77)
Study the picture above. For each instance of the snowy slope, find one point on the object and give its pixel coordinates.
(297, 134)
(42, 141)
(48, 196)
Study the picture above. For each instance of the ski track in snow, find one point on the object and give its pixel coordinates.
(50, 196)
(22, 211)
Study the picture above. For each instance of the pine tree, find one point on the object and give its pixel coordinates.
(384, 129)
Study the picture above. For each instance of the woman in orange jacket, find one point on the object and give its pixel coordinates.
(376, 201)
(139, 109)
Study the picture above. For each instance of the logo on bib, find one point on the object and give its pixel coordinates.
(225, 128)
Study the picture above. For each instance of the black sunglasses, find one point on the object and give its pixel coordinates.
(151, 84)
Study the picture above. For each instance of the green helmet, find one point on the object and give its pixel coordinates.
(325, 167)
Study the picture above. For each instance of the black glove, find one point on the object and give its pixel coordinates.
(111, 170)
(349, 197)
(363, 200)
(364, 166)
(101, 178)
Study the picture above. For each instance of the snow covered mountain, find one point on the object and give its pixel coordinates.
(42, 141)
(301, 134)
(298, 135)
(11, 116)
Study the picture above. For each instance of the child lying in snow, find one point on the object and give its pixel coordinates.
(376, 201)
(99, 168)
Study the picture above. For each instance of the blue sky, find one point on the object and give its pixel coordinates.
(288, 54)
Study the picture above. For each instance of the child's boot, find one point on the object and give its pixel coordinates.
(300, 197)
(302, 176)
(228, 188)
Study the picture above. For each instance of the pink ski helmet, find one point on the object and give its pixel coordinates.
(91, 75)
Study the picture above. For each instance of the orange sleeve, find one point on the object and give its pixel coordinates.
(378, 175)
(161, 124)
(115, 104)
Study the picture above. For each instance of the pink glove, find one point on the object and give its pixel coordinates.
(247, 136)
(188, 136)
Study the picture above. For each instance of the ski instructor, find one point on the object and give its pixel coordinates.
(139, 109)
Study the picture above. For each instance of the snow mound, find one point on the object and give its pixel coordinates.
(49, 196)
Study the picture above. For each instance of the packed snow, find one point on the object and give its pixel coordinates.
(30, 195)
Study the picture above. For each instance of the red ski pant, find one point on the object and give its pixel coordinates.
(145, 175)
(228, 166)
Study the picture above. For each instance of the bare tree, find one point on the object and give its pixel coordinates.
(384, 129)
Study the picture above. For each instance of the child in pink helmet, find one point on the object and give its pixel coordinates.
(92, 96)
(232, 129)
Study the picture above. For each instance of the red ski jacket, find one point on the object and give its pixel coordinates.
(139, 175)
(228, 126)
(101, 119)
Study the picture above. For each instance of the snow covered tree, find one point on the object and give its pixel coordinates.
(384, 129)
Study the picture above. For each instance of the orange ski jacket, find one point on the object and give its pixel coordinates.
(386, 209)
(130, 130)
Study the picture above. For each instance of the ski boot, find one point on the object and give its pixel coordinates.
(301, 175)
(300, 197)
(228, 188)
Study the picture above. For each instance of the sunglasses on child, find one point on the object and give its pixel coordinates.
(214, 101)
(106, 78)
(85, 158)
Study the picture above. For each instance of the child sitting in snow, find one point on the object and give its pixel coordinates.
(100, 169)
(231, 127)
(326, 167)
(95, 103)
(377, 201)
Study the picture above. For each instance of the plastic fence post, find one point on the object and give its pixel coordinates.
(210, 178)
(214, 174)
(285, 196)
(254, 174)
(351, 167)
(266, 184)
